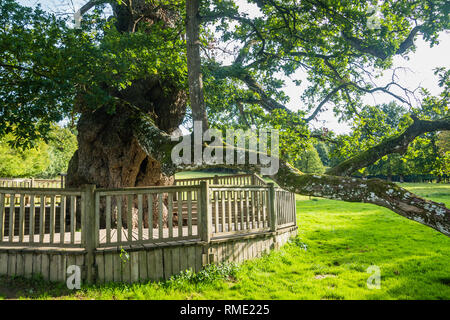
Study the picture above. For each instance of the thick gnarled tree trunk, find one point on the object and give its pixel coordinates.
(108, 154)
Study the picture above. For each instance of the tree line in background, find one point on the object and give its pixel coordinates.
(45, 159)
(428, 157)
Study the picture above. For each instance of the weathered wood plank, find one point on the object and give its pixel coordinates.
(11, 216)
(45, 266)
(134, 266)
(167, 252)
(130, 218)
(21, 218)
(109, 267)
(170, 214)
(117, 267)
(119, 219)
(100, 263)
(189, 204)
(140, 216)
(159, 267)
(143, 270)
(52, 219)
(160, 216)
(108, 219)
(62, 219)
(2, 216)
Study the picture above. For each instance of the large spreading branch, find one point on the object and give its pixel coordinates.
(396, 144)
(375, 191)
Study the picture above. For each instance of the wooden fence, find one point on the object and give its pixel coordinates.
(96, 219)
(234, 180)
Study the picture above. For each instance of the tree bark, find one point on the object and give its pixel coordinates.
(109, 155)
(194, 63)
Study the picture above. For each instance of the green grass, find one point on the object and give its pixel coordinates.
(337, 242)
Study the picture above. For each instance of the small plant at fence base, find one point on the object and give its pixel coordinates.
(210, 273)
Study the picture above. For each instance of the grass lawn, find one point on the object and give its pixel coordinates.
(336, 243)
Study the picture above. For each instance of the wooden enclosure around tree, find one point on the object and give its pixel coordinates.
(93, 223)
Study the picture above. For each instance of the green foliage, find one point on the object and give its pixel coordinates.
(44, 160)
(19, 163)
(377, 123)
(209, 274)
(50, 71)
(323, 151)
(309, 161)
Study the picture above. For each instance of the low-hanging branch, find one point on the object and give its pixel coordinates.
(375, 191)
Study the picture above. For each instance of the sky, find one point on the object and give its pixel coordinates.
(418, 69)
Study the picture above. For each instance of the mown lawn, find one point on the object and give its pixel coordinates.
(336, 243)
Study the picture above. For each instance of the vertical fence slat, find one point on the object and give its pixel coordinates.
(230, 222)
(180, 214)
(189, 203)
(97, 220)
(140, 217)
(222, 202)
(108, 219)
(170, 214)
(150, 215)
(216, 211)
(160, 216)
(52, 219)
(21, 217)
(62, 219)
(130, 217)
(12, 206)
(73, 218)
(32, 218)
(247, 206)
(119, 218)
(2, 215)
(42, 219)
(235, 195)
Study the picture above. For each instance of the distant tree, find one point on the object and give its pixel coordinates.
(61, 147)
(44, 160)
(322, 150)
(19, 163)
(309, 161)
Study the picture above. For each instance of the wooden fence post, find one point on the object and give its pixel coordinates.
(205, 228)
(216, 179)
(273, 213)
(89, 229)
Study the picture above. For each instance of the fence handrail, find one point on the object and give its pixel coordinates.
(233, 209)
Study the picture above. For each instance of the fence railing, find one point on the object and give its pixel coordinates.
(285, 208)
(51, 217)
(32, 183)
(146, 215)
(239, 209)
(234, 180)
(96, 218)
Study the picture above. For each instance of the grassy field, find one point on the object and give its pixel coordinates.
(336, 243)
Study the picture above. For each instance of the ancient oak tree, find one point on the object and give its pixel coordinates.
(130, 79)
